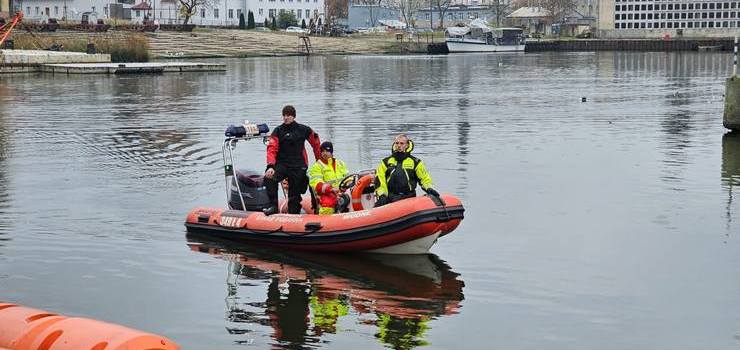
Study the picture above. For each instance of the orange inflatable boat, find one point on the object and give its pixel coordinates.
(409, 226)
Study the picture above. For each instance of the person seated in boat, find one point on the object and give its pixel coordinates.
(397, 175)
(287, 159)
(324, 177)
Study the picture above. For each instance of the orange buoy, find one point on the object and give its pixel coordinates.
(23, 328)
(358, 189)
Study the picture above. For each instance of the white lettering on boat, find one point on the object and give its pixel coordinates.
(230, 221)
(355, 215)
(280, 218)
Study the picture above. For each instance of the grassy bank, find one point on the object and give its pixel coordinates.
(123, 47)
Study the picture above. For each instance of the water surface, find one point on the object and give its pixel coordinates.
(610, 223)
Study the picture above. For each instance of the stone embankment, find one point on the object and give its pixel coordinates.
(252, 43)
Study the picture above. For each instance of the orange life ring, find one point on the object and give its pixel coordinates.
(358, 189)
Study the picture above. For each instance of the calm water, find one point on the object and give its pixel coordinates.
(609, 224)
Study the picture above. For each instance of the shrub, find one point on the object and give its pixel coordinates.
(250, 20)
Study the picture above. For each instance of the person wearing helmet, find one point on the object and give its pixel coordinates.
(397, 176)
(287, 159)
(324, 177)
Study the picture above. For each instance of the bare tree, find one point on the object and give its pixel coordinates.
(559, 9)
(441, 6)
(502, 8)
(188, 7)
(372, 6)
(407, 9)
(336, 9)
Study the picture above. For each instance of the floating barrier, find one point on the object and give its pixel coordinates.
(24, 328)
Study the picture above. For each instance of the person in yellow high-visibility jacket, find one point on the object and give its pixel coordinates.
(324, 177)
(397, 176)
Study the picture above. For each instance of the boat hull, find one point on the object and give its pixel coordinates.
(468, 46)
(410, 226)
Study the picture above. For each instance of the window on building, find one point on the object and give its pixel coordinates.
(215, 13)
(711, 6)
(299, 15)
(643, 7)
(691, 24)
(629, 16)
(271, 13)
(616, 25)
(93, 9)
(231, 13)
(316, 13)
(37, 10)
(138, 13)
(308, 12)
(261, 12)
(239, 12)
(203, 12)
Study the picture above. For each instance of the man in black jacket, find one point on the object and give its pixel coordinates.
(287, 159)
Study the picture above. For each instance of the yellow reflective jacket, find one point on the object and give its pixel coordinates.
(322, 177)
(414, 172)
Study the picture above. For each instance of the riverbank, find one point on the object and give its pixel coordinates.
(122, 46)
(204, 43)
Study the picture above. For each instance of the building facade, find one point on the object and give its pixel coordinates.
(673, 18)
(368, 16)
(455, 14)
(216, 13)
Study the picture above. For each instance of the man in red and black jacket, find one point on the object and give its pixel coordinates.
(287, 158)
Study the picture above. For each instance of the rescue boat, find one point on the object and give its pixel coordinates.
(409, 226)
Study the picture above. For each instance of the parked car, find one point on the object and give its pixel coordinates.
(296, 30)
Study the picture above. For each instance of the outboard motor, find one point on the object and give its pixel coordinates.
(252, 189)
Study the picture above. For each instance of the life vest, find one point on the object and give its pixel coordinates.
(323, 177)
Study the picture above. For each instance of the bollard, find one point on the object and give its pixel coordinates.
(731, 117)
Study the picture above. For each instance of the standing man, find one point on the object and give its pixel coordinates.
(287, 159)
(397, 176)
(324, 178)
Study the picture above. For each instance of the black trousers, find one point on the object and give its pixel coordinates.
(297, 186)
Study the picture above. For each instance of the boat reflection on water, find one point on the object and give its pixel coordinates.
(308, 294)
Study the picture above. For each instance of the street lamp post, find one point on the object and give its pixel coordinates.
(431, 16)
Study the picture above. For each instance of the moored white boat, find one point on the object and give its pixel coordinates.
(478, 37)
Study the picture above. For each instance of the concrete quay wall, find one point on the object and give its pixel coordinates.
(722, 44)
